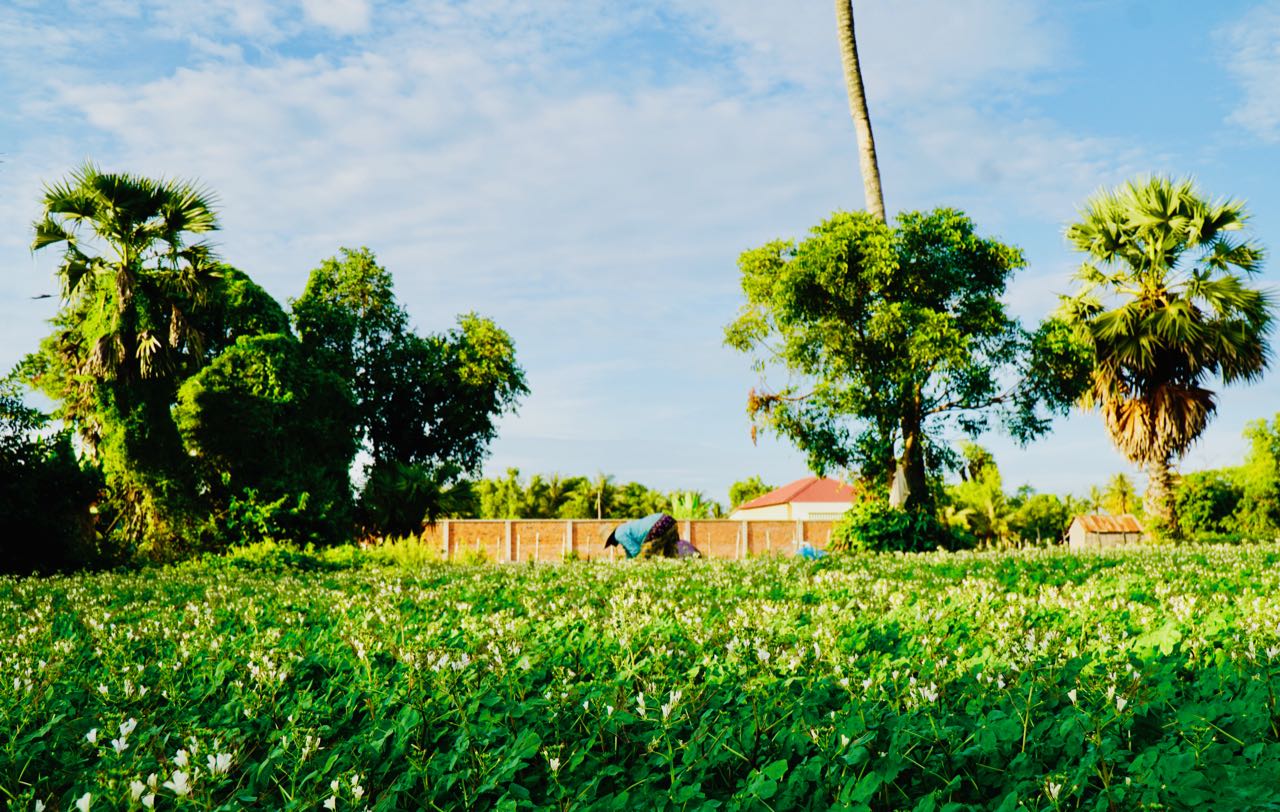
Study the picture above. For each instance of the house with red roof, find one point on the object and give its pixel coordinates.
(811, 498)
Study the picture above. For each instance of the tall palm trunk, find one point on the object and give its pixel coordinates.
(1158, 500)
(858, 109)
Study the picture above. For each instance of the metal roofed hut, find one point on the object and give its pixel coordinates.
(1096, 531)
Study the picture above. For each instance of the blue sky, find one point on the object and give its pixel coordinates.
(586, 172)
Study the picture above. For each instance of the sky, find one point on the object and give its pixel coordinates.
(586, 172)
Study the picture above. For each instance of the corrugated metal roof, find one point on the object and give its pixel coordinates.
(1099, 523)
(809, 489)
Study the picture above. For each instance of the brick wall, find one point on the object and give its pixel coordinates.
(551, 540)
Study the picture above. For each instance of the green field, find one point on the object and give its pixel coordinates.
(1028, 680)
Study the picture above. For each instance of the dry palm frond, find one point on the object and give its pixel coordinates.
(1161, 423)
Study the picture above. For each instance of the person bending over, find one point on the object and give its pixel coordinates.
(653, 536)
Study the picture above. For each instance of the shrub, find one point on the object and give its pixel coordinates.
(877, 527)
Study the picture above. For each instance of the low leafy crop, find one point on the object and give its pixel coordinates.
(1032, 680)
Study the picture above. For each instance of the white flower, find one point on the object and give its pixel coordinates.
(102, 689)
(128, 727)
(180, 758)
(92, 736)
(333, 786)
(1072, 695)
(136, 788)
(1053, 789)
(149, 800)
(219, 764)
(179, 783)
(1121, 702)
(332, 803)
(82, 803)
(554, 764)
(120, 744)
(39, 807)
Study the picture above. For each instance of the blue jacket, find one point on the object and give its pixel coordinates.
(632, 534)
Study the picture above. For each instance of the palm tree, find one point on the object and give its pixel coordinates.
(602, 490)
(131, 277)
(858, 108)
(1120, 495)
(1164, 307)
(149, 276)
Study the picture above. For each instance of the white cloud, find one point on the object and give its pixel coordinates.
(1253, 58)
(340, 16)
(584, 173)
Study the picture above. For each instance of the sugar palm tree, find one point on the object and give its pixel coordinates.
(858, 108)
(1164, 305)
(133, 272)
(148, 272)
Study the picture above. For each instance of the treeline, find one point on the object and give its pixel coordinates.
(205, 412)
(573, 497)
(1237, 503)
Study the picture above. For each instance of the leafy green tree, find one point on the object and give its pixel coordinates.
(1207, 501)
(634, 499)
(1164, 308)
(426, 408)
(747, 489)
(898, 333)
(263, 426)
(1258, 514)
(1040, 517)
(981, 493)
(501, 498)
(133, 277)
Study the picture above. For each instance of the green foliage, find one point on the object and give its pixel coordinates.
(574, 497)
(47, 495)
(872, 682)
(396, 498)
(1207, 502)
(129, 329)
(1041, 518)
(899, 333)
(1258, 515)
(747, 489)
(271, 436)
(693, 505)
(875, 526)
(426, 405)
(980, 497)
(1119, 496)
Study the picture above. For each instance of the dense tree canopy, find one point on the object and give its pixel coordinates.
(209, 418)
(426, 407)
(892, 334)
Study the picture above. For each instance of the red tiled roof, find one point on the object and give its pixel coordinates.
(809, 489)
(1097, 523)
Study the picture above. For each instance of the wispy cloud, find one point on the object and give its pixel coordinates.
(584, 171)
(1252, 55)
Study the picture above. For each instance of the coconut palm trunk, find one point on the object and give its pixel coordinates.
(858, 109)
